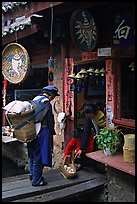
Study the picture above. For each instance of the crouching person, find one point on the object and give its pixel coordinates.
(73, 146)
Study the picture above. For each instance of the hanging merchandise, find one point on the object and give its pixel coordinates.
(72, 87)
(50, 60)
(90, 71)
(78, 76)
(72, 76)
(92, 82)
(50, 76)
(50, 68)
(97, 78)
(79, 87)
(102, 78)
(83, 72)
(50, 63)
(102, 82)
(102, 71)
(15, 63)
(83, 83)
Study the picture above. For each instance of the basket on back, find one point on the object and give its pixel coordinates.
(67, 168)
(26, 133)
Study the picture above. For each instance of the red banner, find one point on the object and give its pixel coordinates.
(4, 91)
(109, 93)
(68, 83)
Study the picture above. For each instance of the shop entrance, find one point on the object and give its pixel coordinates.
(90, 87)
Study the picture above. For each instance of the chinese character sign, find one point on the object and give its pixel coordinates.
(123, 31)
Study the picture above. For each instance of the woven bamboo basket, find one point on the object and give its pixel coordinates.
(15, 63)
(28, 132)
(129, 148)
(129, 155)
(69, 164)
(129, 141)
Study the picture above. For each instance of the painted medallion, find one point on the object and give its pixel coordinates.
(15, 63)
(83, 30)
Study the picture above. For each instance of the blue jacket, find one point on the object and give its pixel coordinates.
(47, 131)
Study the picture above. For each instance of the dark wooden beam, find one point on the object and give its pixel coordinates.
(29, 9)
(68, 7)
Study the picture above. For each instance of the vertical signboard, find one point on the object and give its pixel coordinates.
(109, 94)
(68, 83)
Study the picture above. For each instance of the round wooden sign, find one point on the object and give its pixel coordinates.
(83, 30)
(15, 63)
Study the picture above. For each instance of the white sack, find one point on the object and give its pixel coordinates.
(18, 106)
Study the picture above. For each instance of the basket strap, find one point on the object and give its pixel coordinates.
(6, 115)
(27, 121)
(65, 158)
(71, 157)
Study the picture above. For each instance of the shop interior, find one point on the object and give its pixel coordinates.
(90, 88)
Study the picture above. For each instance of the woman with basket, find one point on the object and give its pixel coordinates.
(40, 149)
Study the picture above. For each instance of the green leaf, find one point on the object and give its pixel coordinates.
(104, 131)
(105, 140)
(100, 146)
(109, 139)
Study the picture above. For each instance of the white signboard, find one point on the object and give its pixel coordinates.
(104, 52)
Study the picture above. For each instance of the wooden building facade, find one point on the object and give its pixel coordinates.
(78, 36)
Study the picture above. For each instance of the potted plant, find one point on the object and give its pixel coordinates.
(109, 140)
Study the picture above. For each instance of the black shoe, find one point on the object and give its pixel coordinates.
(30, 178)
(42, 183)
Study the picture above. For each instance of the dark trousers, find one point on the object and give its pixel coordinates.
(35, 161)
(83, 160)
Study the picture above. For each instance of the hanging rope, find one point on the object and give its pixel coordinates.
(51, 31)
(10, 124)
(50, 60)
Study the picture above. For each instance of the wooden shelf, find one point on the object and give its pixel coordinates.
(115, 161)
(125, 123)
(92, 60)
